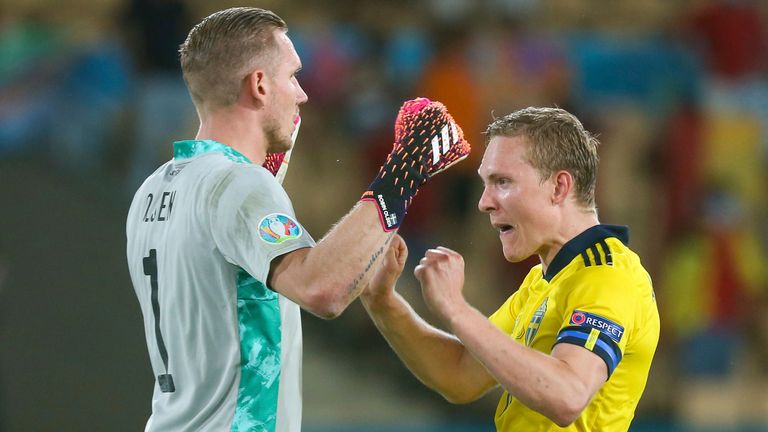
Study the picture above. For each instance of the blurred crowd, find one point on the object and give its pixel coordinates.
(677, 93)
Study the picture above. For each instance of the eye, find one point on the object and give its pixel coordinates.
(502, 181)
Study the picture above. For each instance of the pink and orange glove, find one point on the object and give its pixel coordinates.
(427, 141)
(273, 161)
(277, 163)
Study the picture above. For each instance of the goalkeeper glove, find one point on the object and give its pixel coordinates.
(273, 161)
(427, 141)
(277, 163)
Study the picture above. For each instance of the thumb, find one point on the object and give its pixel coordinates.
(420, 272)
(401, 250)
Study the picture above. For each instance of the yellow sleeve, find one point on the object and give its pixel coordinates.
(597, 310)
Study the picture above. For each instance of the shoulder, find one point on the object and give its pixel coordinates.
(148, 185)
(535, 274)
(228, 173)
(236, 181)
(608, 258)
(608, 270)
(619, 294)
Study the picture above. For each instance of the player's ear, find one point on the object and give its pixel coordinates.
(256, 87)
(563, 182)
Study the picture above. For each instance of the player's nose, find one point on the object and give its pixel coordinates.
(302, 96)
(486, 204)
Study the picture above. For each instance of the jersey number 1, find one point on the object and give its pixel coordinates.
(150, 269)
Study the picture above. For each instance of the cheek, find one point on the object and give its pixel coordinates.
(519, 204)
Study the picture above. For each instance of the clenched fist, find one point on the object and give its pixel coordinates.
(441, 274)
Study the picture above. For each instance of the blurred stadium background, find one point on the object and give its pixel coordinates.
(91, 97)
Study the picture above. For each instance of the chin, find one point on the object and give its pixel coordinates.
(514, 256)
(279, 144)
(278, 148)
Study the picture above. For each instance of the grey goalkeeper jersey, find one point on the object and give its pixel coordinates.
(224, 348)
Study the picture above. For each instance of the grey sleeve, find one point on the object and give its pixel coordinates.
(252, 220)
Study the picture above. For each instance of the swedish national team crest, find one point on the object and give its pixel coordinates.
(277, 228)
(533, 326)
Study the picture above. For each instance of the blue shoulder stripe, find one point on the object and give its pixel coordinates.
(585, 257)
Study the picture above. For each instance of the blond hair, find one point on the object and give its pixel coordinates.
(556, 141)
(223, 49)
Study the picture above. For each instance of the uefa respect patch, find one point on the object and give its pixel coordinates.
(277, 228)
(603, 325)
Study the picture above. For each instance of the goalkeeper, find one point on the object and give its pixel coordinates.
(217, 258)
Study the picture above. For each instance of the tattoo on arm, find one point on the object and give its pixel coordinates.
(354, 287)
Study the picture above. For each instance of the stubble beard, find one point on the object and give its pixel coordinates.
(276, 141)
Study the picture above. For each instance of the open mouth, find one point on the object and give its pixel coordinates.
(503, 228)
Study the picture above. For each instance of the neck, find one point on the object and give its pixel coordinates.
(572, 225)
(236, 128)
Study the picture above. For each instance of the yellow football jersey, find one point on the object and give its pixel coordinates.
(595, 294)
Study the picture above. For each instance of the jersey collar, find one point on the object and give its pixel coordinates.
(582, 242)
(191, 148)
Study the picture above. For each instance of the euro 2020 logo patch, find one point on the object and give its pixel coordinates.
(277, 228)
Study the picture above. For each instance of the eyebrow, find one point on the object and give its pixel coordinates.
(494, 176)
(490, 176)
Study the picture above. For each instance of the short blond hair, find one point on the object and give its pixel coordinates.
(225, 47)
(556, 141)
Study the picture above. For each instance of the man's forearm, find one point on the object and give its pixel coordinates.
(432, 355)
(343, 261)
(325, 279)
(540, 381)
(347, 255)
